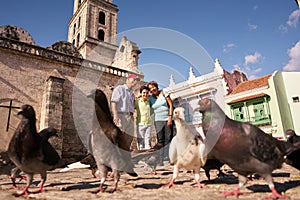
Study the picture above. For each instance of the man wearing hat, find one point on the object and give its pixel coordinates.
(122, 105)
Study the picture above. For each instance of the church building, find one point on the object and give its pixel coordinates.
(52, 78)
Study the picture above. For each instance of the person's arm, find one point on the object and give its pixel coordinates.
(171, 108)
(115, 113)
(114, 99)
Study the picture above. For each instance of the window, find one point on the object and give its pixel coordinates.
(78, 39)
(295, 99)
(101, 35)
(259, 111)
(102, 18)
(79, 19)
(238, 113)
(73, 42)
(79, 3)
(122, 48)
(74, 29)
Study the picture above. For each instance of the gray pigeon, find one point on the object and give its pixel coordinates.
(110, 145)
(31, 152)
(151, 157)
(242, 146)
(186, 149)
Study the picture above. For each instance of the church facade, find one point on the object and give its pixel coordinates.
(48, 77)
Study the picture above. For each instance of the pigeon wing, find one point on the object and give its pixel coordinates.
(173, 151)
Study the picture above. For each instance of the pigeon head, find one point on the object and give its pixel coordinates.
(290, 133)
(205, 105)
(27, 111)
(178, 113)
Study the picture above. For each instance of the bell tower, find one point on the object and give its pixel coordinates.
(93, 29)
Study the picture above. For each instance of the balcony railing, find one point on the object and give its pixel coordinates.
(261, 120)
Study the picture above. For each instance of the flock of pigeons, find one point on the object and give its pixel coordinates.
(242, 146)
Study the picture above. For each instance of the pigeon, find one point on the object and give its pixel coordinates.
(186, 149)
(149, 156)
(7, 167)
(293, 158)
(242, 146)
(30, 151)
(110, 146)
(88, 162)
(213, 164)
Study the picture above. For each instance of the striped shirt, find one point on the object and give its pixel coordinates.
(124, 98)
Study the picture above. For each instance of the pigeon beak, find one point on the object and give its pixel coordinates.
(197, 108)
(20, 112)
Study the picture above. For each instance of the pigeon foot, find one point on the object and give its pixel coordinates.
(275, 195)
(199, 185)
(24, 192)
(100, 189)
(171, 184)
(235, 192)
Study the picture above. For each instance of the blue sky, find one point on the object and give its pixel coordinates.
(258, 36)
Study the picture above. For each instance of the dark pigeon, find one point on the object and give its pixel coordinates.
(7, 167)
(110, 146)
(88, 162)
(242, 146)
(293, 158)
(213, 164)
(91, 162)
(30, 151)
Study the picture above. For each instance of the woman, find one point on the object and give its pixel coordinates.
(162, 106)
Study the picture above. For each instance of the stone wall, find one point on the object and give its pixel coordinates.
(45, 79)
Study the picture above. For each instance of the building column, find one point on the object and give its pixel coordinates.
(52, 107)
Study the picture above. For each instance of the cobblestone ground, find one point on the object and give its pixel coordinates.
(77, 185)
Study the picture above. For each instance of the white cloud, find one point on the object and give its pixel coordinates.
(292, 22)
(294, 62)
(228, 47)
(253, 59)
(294, 18)
(255, 7)
(283, 28)
(252, 73)
(252, 26)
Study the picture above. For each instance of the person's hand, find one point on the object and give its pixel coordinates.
(117, 121)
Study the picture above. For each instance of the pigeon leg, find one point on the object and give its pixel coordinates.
(236, 191)
(14, 173)
(100, 189)
(175, 174)
(197, 179)
(207, 174)
(116, 181)
(21, 178)
(44, 177)
(275, 194)
(25, 190)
